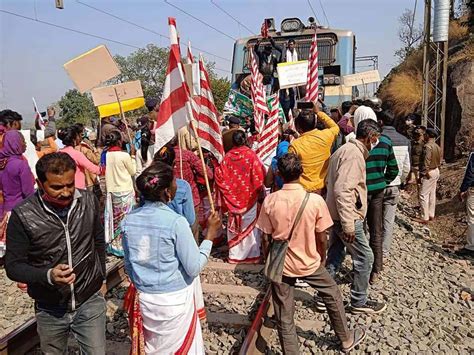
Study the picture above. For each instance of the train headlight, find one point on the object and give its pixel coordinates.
(337, 80)
(291, 25)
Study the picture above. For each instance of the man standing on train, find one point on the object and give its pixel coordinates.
(56, 246)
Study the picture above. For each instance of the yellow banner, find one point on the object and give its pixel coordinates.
(127, 105)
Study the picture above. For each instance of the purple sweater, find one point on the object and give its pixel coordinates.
(16, 182)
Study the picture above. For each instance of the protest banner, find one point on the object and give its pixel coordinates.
(291, 74)
(366, 77)
(92, 68)
(130, 95)
(239, 105)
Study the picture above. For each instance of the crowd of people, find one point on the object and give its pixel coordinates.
(331, 188)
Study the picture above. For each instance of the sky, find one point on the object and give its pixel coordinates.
(32, 54)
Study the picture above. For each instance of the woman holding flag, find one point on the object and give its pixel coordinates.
(163, 263)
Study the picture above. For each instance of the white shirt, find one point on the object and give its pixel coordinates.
(291, 56)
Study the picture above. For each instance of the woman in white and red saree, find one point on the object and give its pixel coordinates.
(239, 181)
(163, 262)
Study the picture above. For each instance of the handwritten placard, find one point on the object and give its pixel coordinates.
(291, 74)
(125, 91)
(366, 77)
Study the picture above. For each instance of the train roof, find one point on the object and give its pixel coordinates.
(306, 31)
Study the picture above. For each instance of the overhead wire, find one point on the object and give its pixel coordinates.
(81, 32)
(146, 29)
(70, 29)
(199, 20)
(314, 12)
(232, 17)
(324, 12)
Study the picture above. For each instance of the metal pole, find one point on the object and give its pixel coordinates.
(426, 62)
(443, 102)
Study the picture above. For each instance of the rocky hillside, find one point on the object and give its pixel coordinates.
(402, 89)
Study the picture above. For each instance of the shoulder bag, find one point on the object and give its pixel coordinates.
(277, 253)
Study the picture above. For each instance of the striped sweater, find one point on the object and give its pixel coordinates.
(381, 166)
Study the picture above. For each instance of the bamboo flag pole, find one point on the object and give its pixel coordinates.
(208, 187)
(123, 116)
(180, 144)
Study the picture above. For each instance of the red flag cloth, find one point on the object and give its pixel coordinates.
(135, 321)
(175, 108)
(312, 85)
(268, 140)
(258, 94)
(208, 128)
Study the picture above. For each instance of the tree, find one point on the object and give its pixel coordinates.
(76, 108)
(149, 65)
(409, 34)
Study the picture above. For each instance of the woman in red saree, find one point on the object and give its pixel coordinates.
(239, 181)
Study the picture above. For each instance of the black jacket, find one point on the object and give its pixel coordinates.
(38, 240)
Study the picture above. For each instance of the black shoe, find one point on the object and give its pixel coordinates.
(321, 306)
(465, 252)
(370, 307)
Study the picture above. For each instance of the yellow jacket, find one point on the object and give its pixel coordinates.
(314, 150)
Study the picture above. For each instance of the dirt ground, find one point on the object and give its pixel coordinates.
(449, 227)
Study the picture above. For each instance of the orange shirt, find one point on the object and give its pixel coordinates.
(277, 215)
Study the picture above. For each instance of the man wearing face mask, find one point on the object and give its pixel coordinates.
(56, 246)
(347, 203)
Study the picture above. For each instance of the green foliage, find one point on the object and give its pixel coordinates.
(147, 65)
(76, 108)
(220, 90)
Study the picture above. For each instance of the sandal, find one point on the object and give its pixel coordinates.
(359, 336)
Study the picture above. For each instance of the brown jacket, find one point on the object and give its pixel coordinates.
(92, 155)
(430, 157)
(346, 186)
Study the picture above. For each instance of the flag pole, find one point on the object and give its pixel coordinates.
(123, 116)
(204, 168)
(180, 144)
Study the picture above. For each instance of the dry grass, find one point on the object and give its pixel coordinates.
(457, 32)
(464, 55)
(404, 91)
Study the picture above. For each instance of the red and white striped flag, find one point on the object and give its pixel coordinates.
(312, 85)
(175, 108)
(208, 129)
(268, 140)
(190, 58)
(258, 94)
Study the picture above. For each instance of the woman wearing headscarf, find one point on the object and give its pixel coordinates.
(71, 139)
(163, 262)
(239, 181)
(120, 168)
(16, 178)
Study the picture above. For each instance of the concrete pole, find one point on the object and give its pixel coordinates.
(444, 80)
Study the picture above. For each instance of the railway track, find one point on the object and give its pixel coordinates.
(24, 339)
(245, 304)
(238, 306)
